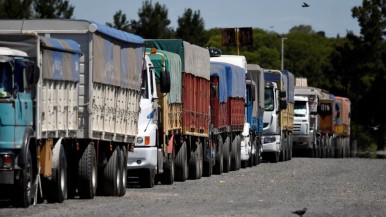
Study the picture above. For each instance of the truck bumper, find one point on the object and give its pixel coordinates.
(142, 158)
(245, 150)
(271, 143)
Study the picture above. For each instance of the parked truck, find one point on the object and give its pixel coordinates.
(37, 75)
(228, 95)
(342, 115)
(87, 124)
(185, 110)
(278, 115)
(255, 111)
(152, 159)
(313, 129)
(322, 122)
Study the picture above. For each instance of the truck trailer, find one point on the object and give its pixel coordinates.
(278, 115)
(185, 110)
(255, 111)
(103, 108)
(228, 95)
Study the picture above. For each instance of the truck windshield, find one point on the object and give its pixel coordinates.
(269, 99)
(300, 109)
(145, 87)
(5, 80)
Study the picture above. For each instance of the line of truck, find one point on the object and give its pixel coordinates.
(85, 108)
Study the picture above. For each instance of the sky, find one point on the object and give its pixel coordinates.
(331, 16)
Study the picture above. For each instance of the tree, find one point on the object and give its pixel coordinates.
(371, 65)
(120, 22)
(15, 9)
(191, 28)
(153, 22)
(53, 9)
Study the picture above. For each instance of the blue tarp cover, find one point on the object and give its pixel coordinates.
(118, 34)
(235, 81)
(219, 70)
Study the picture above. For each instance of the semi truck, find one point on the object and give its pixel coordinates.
(278, 115)
(342, 113)
(322, 122)
(228, 95)
(152, 159)
(313, 129)
(255, 111)
(87, 126)
(38, 75)
(185, 110)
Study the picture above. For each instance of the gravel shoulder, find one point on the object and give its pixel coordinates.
(326, 187)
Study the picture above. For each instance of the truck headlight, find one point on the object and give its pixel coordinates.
(139, 140)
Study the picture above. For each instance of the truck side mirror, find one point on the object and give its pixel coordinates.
(282, 104)
(282, 94)
(165, 81)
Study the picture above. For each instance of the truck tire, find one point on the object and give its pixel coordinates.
(219, 163)
(57, 186)
(167, 177)
(87, 173)
(207, 163)
(234, 155)
(23, 195)
(195, 162)
(122, 191)
(111, 177)
(226, 155)
(238, 152)
(200, 157)
(256, 156)
(181, 164)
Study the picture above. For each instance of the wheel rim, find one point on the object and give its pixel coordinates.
(94, 176)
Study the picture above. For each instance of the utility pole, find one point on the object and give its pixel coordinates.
(282, 53)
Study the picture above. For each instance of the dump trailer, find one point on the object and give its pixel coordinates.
(255, 110)
(228, 93)
(185, 110)
(105, 106)
(38, 76)
(342, 121)
(310, 138)
(278, 115)
(152, 160)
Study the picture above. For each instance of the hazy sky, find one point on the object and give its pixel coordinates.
(331, 16)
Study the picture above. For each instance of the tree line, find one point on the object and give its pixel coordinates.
(352, 65)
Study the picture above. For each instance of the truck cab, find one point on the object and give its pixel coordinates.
(16, 166)
(303, 131)
(148, 155)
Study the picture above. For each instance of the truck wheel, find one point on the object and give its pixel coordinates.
(218, 166)
(195, 162)
(283, 153)
(122, 191)
(226, 155)
(167, 177)
(238, 152)
(234, 147)
(256, 156)
(207, 163)
(23, 196)
(200, 157)
(111, 177)
(181, 164)
(87, 173)
(57, 191)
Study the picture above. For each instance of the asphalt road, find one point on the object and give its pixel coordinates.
(326, 187)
